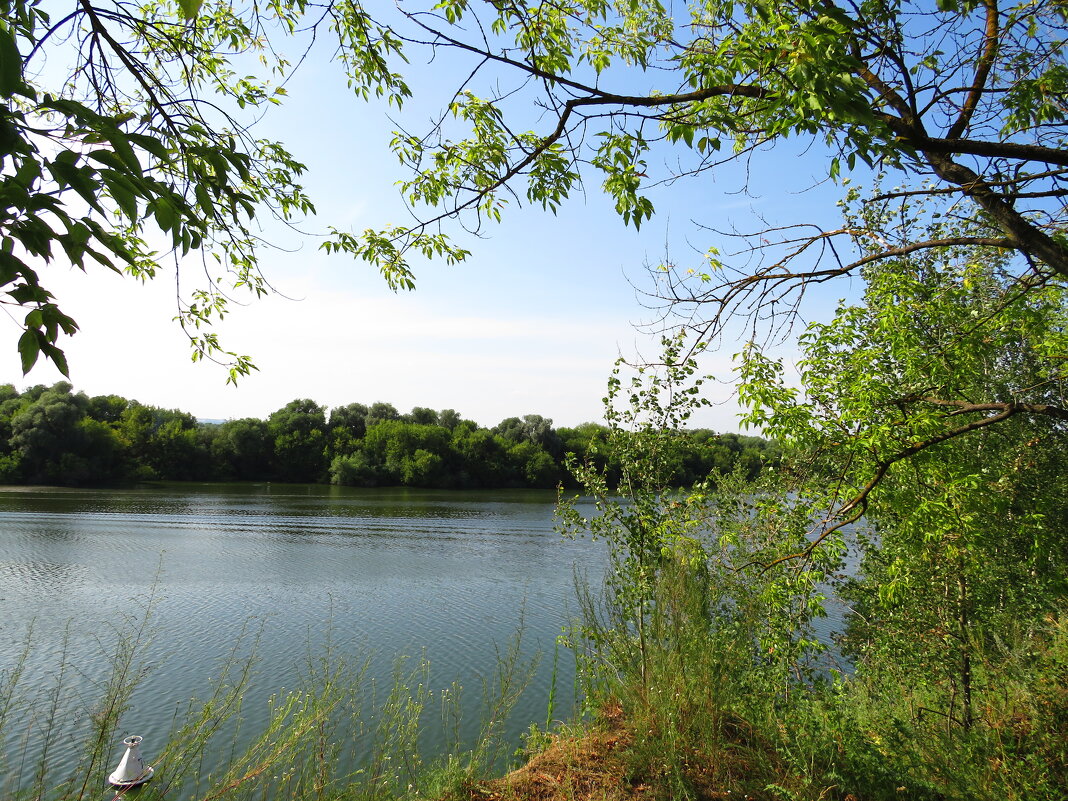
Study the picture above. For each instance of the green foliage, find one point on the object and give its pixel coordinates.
(881, 736)
(98, 168)
(144, 150)
(299, 433)
(354, 470)
(703, 537)
(485, 457)
(960, 102)
(929, 414)
(703, 647)
(380, 411)
(933, 409)
(46, 430)
(122, 172)
(243, 450)
(406, 453)
(642, 525)
(58, 436)
(532, 428)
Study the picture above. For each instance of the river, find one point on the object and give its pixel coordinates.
(446, 575)
(443, 575)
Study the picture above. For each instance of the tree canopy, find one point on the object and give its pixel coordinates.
(126, 137)
(964, 100)
(127, 140)
(54, 435)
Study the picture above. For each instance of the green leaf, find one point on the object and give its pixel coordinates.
(164, 213)
(122, 191)
(204, 200)
(108, 159)
(72, 108)
(29, 348)
(10, 64)
(59, 359)
(151, 144)
(121, 142)
(10, 267)
(190, 8)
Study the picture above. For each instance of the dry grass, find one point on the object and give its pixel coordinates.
(586, 768)
(594, 764)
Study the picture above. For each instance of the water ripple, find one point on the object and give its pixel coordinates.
(280, 571)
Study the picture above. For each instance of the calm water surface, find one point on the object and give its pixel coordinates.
(384, 573)
(451, 575)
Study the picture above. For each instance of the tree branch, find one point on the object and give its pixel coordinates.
(1006, 150)
(966, 407)
(857, 505)
(982, 71)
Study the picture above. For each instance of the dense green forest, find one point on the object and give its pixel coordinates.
(54, 435)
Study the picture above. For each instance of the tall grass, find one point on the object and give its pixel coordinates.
(338, 734)
(694, 711)
(717, 712)
(881, 732)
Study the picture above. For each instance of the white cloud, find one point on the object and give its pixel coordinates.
(334, 347)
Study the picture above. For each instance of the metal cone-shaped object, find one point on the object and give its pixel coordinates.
(132, 769)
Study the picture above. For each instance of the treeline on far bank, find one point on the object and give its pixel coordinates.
(53, 435)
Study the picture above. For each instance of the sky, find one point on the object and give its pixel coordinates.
(531, 323)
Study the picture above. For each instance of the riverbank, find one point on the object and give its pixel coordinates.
(683, 730)
(867, 738)
(709, 688)
(584, 764)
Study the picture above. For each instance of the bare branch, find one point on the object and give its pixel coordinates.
(982, 71)
(965, 407)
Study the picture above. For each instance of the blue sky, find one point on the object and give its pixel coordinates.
(531, 323)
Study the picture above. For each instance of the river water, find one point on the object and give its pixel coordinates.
(446, 576)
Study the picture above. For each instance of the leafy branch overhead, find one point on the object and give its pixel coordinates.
(146, 138)
(968, 97)
(963, 103)
(143, 150)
